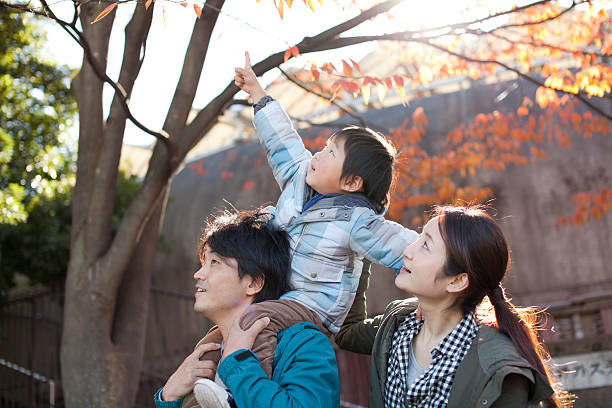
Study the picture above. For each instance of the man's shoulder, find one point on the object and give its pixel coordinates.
(300, 331)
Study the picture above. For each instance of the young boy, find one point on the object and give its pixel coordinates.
(332, 206)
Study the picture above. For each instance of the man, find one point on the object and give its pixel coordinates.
(245, 260)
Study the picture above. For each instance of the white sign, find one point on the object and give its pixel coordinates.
(590, 370)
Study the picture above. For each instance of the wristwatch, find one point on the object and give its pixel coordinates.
(262, 102)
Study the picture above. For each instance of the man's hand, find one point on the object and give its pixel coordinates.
(239, 339)
(182, 381)
(246, 80)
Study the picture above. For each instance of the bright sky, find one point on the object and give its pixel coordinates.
(243, 25)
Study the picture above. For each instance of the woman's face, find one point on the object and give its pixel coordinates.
(421, 273)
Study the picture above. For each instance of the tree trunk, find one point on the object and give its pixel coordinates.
(108, 279)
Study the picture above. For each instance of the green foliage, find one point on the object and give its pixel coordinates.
(40, 247)
(36, 108)
(36, 164)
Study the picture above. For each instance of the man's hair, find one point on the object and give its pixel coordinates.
(261, 250)
(369, 155)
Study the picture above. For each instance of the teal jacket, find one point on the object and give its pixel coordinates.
(305, 374)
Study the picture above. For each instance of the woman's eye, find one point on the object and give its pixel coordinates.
(425, 245)
(214, 261)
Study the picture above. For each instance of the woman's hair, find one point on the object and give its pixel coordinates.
(475, 245)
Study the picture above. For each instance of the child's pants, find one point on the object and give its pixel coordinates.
(282, 313)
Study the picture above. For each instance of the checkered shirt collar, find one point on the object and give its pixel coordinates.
(432, 389)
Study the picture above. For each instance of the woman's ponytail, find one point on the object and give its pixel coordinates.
(475, 245)
(521, 326)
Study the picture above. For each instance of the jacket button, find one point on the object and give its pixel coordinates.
(484, 402)
(322, 214)
(313, 274)
(345, 215)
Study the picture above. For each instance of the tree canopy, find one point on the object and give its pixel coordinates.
(37, 106)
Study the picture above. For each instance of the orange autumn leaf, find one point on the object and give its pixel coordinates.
(402, 93)
(310, 4)
(315, 72)
(227, 175)
(197, 10)
(389, 83)
(346, 68)
(279, 7)
(184, 4)
(356, 66)
(365, 93)
(295, 51)
(291, 52)
(104, 12)
(147, 4)
(247, 185)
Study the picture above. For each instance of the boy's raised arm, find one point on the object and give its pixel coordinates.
(246, 80)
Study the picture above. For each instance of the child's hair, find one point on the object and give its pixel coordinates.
(372, 157)
(475, 245)
(260, 249)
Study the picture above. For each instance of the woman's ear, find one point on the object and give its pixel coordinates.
(255, 286)
(458, 283)
(352, 184)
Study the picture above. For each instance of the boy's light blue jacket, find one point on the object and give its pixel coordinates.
(331, 238)
(305, 374)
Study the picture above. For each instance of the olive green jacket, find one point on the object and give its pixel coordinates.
(479, 379)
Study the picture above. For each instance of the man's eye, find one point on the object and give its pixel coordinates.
(214, 261)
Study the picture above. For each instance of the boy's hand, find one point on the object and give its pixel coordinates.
(239, 339)
(181, 382)
(246, 80)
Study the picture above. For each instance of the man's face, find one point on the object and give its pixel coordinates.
(219, 289)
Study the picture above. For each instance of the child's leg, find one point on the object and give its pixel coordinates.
(283, 314)
(213, 336)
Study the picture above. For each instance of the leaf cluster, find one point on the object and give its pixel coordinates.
(40, 247)
(36, 108)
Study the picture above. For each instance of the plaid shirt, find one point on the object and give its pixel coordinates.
(330, 239)
(433, 388)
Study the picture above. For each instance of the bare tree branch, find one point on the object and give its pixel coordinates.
(351, 113)
(544, 20)
(78, 36)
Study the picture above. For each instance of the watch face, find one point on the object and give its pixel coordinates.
(243, 355)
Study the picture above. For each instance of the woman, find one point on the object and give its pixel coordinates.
(449, 358)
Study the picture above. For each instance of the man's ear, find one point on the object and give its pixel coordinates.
(352, 184)
(458, 283)
(255, 286)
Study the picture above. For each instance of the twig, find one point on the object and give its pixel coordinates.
(78, 36)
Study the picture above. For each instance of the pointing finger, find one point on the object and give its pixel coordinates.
(247, 63)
